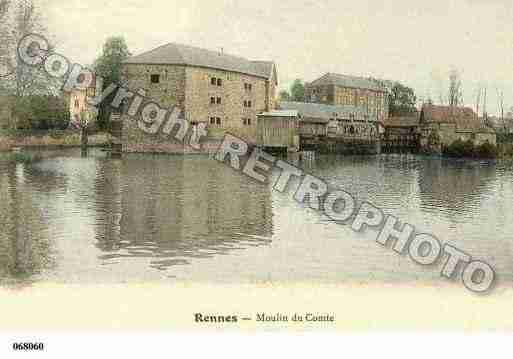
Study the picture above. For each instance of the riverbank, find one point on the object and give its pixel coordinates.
(57, 139)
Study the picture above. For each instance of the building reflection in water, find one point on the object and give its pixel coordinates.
(172, 209)
(456, 186)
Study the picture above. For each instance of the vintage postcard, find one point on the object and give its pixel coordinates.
(271, 166)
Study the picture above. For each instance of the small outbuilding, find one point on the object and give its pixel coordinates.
(278, 129)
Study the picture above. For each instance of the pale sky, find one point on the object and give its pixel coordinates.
(415, 42)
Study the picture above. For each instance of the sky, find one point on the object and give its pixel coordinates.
(416, 42)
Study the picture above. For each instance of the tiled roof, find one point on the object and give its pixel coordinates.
(350, 81)
(323, 112)
(177, 54)
(464, 118)
(402, 121)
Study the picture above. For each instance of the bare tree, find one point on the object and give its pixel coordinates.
(18, 20)
(500, 101)
(4, 38)
(455, 93)
(478, 99)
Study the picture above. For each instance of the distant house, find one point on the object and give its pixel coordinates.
(401, 132)
(337, 89)
(78, 101)
(332, 120)
(223, 91)
(501, 125)
(455, 123)
(278, 128)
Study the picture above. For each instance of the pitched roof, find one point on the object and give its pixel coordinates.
(464, 118)
(447, 114)
(403, 121)
(321, 112)
(350, 81)
(177, 54)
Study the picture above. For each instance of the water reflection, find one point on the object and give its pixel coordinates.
(173, 209)
(79, 219)
(25, 247)
(455, 187)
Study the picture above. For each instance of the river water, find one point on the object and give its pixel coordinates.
(145, 218)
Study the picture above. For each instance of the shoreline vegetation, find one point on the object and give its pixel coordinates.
(15, 142)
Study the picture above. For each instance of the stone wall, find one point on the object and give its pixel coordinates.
(375, 101)
(449, 133)
(191, 89)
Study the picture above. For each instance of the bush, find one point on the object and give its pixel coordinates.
(486, 150)
(41, 113)
(460, 149)
(25, 157)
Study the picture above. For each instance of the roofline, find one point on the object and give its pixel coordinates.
(349, 87)
(200, 67)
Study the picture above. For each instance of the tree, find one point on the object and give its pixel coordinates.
(455, 94)
(284, 95)
(19, 19)
(41, 112)
(297, 91)
(109, 66)
(402, 100)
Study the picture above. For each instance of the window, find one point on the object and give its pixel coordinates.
(77, 104)
(218, 121)
(245, 103)
(212, 100)
(213, 81)
(212, 120)
(249, 87)
(249, 103)
(155, 79)
(219, 100)
(219, 82)
(245, 86)
(246, 121)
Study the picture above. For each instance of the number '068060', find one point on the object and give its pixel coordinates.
(28, 346)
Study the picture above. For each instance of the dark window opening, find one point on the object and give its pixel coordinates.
(219, 100)
(212, 100)
(213, 81)
(249, 103)
(218, 121)
(245, 103)
(219, 82)
(155, 79)
(212, 120)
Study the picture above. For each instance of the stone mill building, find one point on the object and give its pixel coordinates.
(223, 91)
